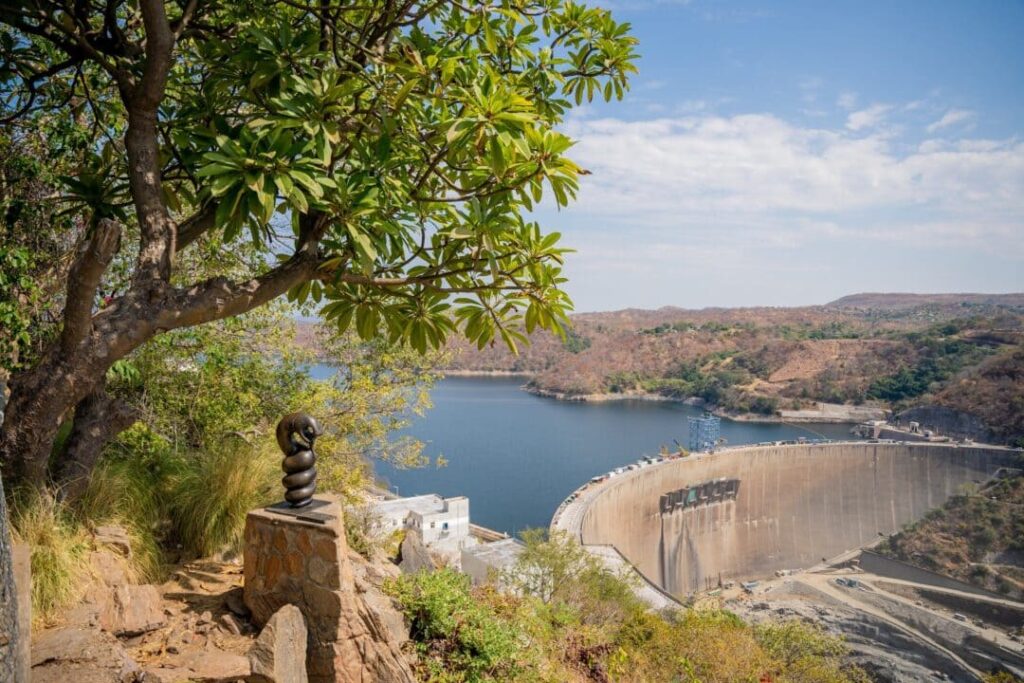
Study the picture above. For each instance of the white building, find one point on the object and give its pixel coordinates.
(442, 523)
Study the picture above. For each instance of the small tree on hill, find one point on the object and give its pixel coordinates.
(380, 155)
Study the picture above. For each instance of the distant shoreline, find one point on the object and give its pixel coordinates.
(485, 373)
(604, 398)
(655, 398)
(691, 401)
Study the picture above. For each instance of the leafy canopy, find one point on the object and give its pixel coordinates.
(405, 141)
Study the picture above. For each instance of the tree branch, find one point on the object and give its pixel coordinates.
(220, 298)
(84, 279)
(159, 45)
(193, 227)
(143, 149)
(99, 417)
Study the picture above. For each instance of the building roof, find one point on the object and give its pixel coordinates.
(420, 504)
(497, 554)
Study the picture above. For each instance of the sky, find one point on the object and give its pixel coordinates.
(788, 153)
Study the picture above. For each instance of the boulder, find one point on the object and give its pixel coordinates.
(81, 655)
(214, 665)
(387, 612)
(132, 610)
(415, 556)
(208, 666)
(109, 575)
(369, 579)
(113, 537)
(279, 653)
(108, 568)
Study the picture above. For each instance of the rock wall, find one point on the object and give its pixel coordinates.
(948, 422)
(796, 505)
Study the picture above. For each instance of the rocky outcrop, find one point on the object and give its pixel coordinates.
(114, 604)
(279, 654)
(305, 562)
(415, 556)
(82, 655)
(948, 422)
(131, 610)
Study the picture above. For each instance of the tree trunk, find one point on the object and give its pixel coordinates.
(99, 417)
(40, 399)
(10, 637)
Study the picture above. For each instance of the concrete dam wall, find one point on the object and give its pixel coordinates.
(744, 513)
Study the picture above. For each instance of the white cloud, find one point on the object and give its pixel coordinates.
(759, 178)
(951, 117)
(867, 118)
(692, 106)
(847, 100)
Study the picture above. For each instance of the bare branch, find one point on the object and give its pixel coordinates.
(220, 298)
(193, 227)
(84, 279)
(142, 146)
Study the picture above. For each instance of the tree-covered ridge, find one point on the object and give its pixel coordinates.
(373, 161)
(764, 360)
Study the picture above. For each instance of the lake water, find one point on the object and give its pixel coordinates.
(517, 456)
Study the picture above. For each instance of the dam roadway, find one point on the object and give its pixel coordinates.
(743, 513)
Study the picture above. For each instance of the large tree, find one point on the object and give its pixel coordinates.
(381, 155)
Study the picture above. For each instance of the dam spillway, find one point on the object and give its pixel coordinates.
(743, 513)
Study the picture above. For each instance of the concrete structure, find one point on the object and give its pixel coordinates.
(794, 505)
(440, 522)
(485, 563)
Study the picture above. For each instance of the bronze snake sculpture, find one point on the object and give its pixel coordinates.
(296, 433)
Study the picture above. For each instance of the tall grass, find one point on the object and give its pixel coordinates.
(58, 544)
(130, 493)
(212, 495)
(196, 504)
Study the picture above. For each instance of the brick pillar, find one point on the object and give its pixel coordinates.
(305, 563)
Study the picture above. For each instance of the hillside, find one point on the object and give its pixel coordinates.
(977, 537)
(891, 351)
(892, 301)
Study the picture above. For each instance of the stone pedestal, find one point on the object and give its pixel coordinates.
(289, 560)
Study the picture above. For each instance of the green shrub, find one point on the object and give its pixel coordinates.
(459, 637)
(804, 652)
(573, 620)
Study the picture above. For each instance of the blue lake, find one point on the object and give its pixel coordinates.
(517, 456)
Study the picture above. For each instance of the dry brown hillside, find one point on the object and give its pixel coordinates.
(890, 350)
(997, 384)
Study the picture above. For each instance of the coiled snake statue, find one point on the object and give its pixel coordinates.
(296, 433)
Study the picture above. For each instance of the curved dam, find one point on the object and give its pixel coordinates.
(743, 513)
